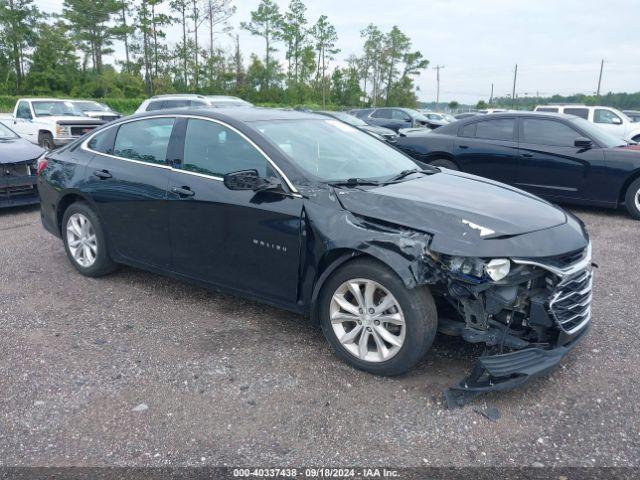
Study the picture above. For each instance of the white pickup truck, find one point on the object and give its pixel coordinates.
(49, 122)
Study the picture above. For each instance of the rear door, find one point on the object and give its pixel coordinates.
(488, 148)
(243, 240)
(127, 179)
(551, 166)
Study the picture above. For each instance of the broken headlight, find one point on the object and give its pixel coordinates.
(478, 268)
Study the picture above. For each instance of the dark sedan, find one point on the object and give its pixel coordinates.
(395, 118)
(560, 157)
(17, 169)
(309, 214)
(386, 133)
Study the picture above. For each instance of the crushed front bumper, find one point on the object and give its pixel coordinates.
(494, 373)
(18, 190)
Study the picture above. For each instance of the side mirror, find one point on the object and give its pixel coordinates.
(583, 142)
(248, 180)
(616, 121)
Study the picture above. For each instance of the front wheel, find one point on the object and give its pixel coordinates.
(373, 322)
(45, 140)
(632, 199)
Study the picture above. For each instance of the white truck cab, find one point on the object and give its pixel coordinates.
(49, 122)
(607, 118)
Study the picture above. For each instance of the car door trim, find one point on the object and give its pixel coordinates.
(85, 146)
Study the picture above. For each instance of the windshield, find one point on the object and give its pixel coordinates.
(346, 118)
(6, 132)
(333, 151)
(55, 109)
(92, 107)
(605, 139)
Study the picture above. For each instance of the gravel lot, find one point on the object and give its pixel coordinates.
(137, 369)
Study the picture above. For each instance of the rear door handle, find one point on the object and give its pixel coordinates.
(464, 147)
(102, 174)
(527, 155)
(183, 191)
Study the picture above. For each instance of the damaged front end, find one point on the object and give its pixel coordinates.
(529, 313)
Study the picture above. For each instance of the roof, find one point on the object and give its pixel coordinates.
(242, 114)
(179, 95)
(41, 99)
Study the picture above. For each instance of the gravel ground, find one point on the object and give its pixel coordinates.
(137, 369)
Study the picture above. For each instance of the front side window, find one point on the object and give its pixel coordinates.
(498, 129)
(23, 110)
(332, 151)
(548, 132)
(213, 149)
(578, 112)
(606, 117)
(144, 140)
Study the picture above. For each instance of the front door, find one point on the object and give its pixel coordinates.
(244, 240)
(488, 148)
(127, 179)
(551, 165)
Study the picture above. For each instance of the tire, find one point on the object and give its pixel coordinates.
(45, 140)
(443, 162)
(415, 306)
(97, 261)
(632, 199)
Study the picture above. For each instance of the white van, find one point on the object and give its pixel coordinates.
(607, 118)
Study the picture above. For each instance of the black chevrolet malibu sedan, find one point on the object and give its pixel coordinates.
(562, 158)
(312, 215)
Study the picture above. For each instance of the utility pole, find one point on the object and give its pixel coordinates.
(437, 69)
(491, 97)
(513, 93)
(600, 78)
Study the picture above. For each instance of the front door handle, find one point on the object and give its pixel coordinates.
(464, 147)
(183, 191)
(527, 155)
(102, 174)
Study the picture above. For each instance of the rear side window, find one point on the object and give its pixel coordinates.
(498, 129)
(468, 130)
(102, 142)
(154, 106)
(578, 112)
(176, 103)
(548, 132)
(213, 149)
(382, 114)
(144, 140)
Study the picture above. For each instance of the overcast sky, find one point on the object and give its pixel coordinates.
(557, 44)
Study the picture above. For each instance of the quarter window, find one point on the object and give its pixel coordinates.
(578, 112)
(103, 141)
(144, 140)
(548, 132)
(606, 116)
(212, 149)
(499, 129)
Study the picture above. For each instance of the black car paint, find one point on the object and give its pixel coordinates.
(17, 172)
(590, 176)
(279, 247)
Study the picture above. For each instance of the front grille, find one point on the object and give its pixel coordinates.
(81, 130)
(564, 260)
(570, 304)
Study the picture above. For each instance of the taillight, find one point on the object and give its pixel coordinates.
(42, 164)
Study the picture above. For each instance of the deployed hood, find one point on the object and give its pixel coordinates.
(465, 214)
(16, 150)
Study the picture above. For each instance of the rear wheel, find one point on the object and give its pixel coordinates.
(632, 199)
(373, 322)
(45, 140)
(443, 162)
(85, 242)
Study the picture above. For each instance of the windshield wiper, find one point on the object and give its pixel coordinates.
(406, 173)
(353, 182)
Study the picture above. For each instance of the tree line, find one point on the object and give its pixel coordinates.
(64, 54)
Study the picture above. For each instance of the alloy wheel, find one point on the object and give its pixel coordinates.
(367, 320)
(81, 239)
